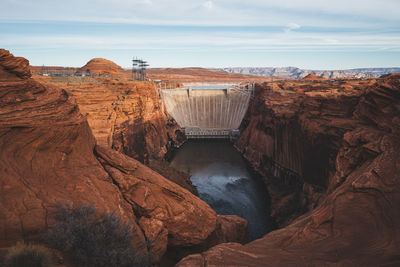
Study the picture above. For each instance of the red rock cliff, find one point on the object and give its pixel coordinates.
(293, 136)
(48, 154)
(338, 150)
(127, 116)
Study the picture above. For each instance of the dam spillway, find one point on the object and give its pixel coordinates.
(207, 111)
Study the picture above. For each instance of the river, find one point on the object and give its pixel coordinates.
(225, 182)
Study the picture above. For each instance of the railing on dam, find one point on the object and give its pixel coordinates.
(208, 111)
(197, 133)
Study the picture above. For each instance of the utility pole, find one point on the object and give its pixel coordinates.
(143, 65)
(135, 63)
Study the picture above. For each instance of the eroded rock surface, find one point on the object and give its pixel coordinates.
(100, 66)
(47, 157)
(13, 67)
(125, 115)
(294, 132)
(48, 154)
(229, 228)
(188, 219)
(312, 76)
(351, 187)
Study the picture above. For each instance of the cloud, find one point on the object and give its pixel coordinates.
(123, 26)
(181, 45)
(208, 5)
(292, 26)
(331, 41)
(113, 38)
(341, 13)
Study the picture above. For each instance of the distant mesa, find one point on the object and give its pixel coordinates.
(296, 73)
(312, 76)
(101, 66)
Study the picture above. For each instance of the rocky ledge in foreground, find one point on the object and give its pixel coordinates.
(338, 150)
(49, 155)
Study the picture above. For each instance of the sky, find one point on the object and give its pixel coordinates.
(321, 35)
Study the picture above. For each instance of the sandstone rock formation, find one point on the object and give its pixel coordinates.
(125, 115)
(229, 228)
(129, 117)
(293, 135)
(338, 151)
(101, 66)
(188, 219)
(46, 157)
(49, 154)
(13, 67)
(312, 76)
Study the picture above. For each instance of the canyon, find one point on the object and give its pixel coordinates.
(50, 155)
(327, 152)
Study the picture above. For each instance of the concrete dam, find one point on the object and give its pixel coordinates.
(208, 111)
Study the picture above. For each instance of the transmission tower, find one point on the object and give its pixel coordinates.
(135, 63)
(139, 69)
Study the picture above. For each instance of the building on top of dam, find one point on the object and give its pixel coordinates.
(208, 111)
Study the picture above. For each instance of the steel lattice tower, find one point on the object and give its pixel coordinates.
(139, 69)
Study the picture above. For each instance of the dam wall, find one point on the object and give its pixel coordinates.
(207, 109)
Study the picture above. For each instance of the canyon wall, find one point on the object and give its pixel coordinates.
(208, 108)
(125, 115)
(49, 155)
(292, 135)
(332, 150)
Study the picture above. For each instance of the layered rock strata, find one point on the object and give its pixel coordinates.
(127, 116)
(354, 135)
(293, 132)
(48, 155)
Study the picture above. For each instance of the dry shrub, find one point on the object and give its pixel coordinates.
(92, 239)
(28, 255)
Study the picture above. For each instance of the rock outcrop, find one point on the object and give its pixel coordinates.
(103, 66)
(153, 196)
(312, 76)
(125, 115)
(293, 135)
(49, 155)
(46, 157)
(229, 228)
(341, 151)
(13, 67)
